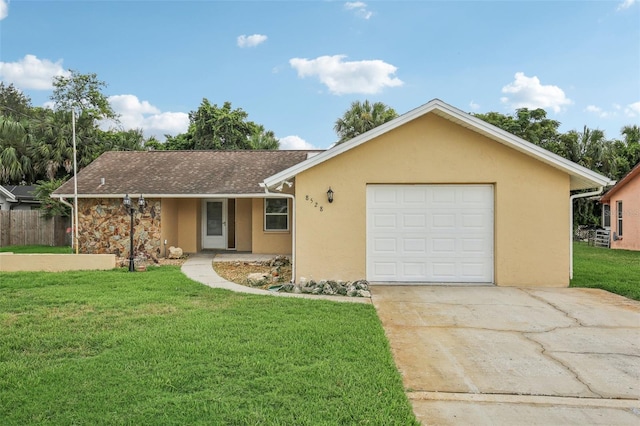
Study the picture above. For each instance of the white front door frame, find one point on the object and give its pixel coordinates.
(214, 230)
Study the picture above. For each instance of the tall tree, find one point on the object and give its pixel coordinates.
(224, 128)
(585, 148)
(13, 103)
(82, 92)
(15, 163)
(263, 139)
(530, 125)
(362, 117)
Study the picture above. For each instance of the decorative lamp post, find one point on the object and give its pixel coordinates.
(129, 206)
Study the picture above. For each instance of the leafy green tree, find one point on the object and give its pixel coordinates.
(13, 103)
(82, 92)
(530, 125)
(223, 128)
(214, 127)
(50, 207)
(121, 140)
(362, 117)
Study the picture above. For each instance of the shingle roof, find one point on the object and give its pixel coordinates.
(180, 172)
(22, 192)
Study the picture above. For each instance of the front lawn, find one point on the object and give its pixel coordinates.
(37, 249)
(157, 348)
(617, 271)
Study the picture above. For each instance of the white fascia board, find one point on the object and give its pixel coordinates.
(529, 148)
(350, 144)
(137, 194)
(467, 120)
(8, 195)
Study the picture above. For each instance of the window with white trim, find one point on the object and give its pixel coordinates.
(619, 217)
(276, 214)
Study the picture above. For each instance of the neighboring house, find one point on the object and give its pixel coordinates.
(435, 195)
(621, 211)
(18, 197)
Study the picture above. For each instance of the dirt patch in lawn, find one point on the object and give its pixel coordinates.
(237, 272)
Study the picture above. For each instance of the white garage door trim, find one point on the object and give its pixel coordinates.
(430, 233)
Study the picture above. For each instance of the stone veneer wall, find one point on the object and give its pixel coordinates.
(104, 226)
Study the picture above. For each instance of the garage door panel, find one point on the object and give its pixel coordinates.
(414, 246)
(414, 220)
(430, 233)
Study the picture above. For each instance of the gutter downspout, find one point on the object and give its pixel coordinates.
(571, 198)
(293, 227)
(66, 203)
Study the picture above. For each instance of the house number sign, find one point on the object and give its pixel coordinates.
(313, 203)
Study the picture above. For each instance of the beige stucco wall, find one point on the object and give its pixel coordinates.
(169, 228)
(189, 225)
(243, 224)
(629, 194)
(531, 201)
(272, 242)
(10, 262)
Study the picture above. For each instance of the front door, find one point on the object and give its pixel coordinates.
(214, 225)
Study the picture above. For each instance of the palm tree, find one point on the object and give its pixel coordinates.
(362, 117)
(263, 139)
(632, 141)
(585, 148)
(15, 163)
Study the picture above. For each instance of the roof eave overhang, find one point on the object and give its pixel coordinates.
(581, 177)
(8, 195)
(150, 195)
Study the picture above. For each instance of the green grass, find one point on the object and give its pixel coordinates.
(37, 249)
(156, 348)
(617, 271)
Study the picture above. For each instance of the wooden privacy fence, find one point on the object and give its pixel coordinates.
(28, 227)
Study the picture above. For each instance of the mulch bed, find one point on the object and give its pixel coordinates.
(237, 271)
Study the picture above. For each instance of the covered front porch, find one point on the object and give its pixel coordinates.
(255, 224)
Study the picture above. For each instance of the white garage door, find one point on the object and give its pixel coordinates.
(430, 233)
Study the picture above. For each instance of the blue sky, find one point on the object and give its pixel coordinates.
(296, 66)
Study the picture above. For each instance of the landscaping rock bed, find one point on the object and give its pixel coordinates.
(275, 275)
(358, 288)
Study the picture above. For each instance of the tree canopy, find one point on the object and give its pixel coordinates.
(362, 117)
(223, 128)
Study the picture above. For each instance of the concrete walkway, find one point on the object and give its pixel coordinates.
(199, 267)
(515, 356)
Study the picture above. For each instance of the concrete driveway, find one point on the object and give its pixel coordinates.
(512, 356)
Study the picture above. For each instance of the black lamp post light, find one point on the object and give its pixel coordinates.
(330, 195)
(132, 209)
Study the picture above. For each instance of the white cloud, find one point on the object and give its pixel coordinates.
(527, 92)
(598, 111)
(31, 72)
(360, 9)
(136, 114)
(626, 4)
(342, 77)
(474, 106)
(633, 110)
(295, 142)
(252, 40)
(4, 9)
